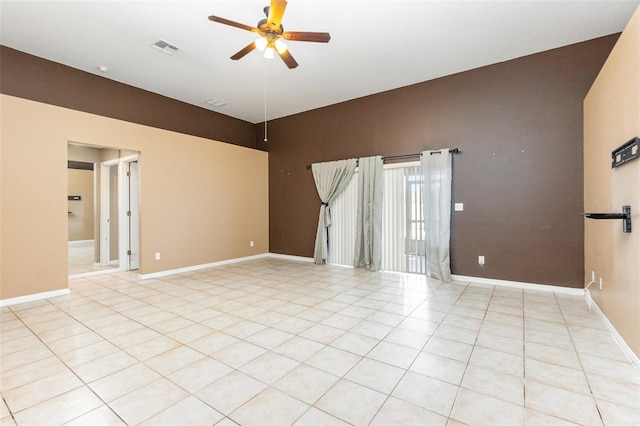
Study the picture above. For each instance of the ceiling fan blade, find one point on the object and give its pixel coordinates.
(276, 11)
(306, 36)
(233, 24)
(288, 59)
(248, 48)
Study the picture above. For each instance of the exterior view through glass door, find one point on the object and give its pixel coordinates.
(403, 228)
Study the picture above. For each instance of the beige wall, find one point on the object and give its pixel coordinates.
(87, 154)
(611, 118)
(201, 201)
(81, 218)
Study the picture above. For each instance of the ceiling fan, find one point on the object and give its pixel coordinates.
(272, 34)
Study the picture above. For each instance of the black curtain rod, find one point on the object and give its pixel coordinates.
(398, 157)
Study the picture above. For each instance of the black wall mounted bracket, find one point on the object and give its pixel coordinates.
(625, 153)
(625, 216)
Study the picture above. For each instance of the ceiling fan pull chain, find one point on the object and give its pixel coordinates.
(265, 100)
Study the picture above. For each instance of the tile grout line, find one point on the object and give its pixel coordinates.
(84, 384)
(584, 373)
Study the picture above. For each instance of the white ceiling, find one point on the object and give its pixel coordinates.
(375, 45)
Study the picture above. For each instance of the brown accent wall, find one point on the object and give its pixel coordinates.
(611, 118)
(519, 125)
(30, 77)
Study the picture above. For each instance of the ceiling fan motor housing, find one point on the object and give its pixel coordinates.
(265, 28)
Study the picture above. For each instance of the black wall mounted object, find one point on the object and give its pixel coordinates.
(625, 216)
(625, 153)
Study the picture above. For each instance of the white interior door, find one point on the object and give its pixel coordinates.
(129, 213)
(133, 216)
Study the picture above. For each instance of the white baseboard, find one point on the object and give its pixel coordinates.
(92, 273)
(34, 297)
(201, 266)
(290, 257)
(522, 285)
(617, 337)
(111, 263)
(79, 242)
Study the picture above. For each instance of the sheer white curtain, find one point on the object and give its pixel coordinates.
(331, 178)
(436, 169)
(342, 232)
(368, 246)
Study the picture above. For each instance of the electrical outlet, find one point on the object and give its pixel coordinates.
(480, 260)
(600, 283)
(250, 243)
(593, 276)
(459, 207)
(157, 256)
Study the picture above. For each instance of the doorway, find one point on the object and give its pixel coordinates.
(81, 216)
(113, 243)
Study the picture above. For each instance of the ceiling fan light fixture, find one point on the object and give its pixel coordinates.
(281, 46)
(268, 53)
(261, 43)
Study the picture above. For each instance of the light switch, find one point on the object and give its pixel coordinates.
(459, 207)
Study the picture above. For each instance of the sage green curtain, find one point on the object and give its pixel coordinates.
(437, 174)
(331, 179)
(368, 248)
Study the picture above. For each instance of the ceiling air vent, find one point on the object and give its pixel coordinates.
(216, 102)
(165, 47)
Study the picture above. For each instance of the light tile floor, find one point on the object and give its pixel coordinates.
(82, 259)
(278, 342)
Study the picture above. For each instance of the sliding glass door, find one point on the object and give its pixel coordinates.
(403, 235)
